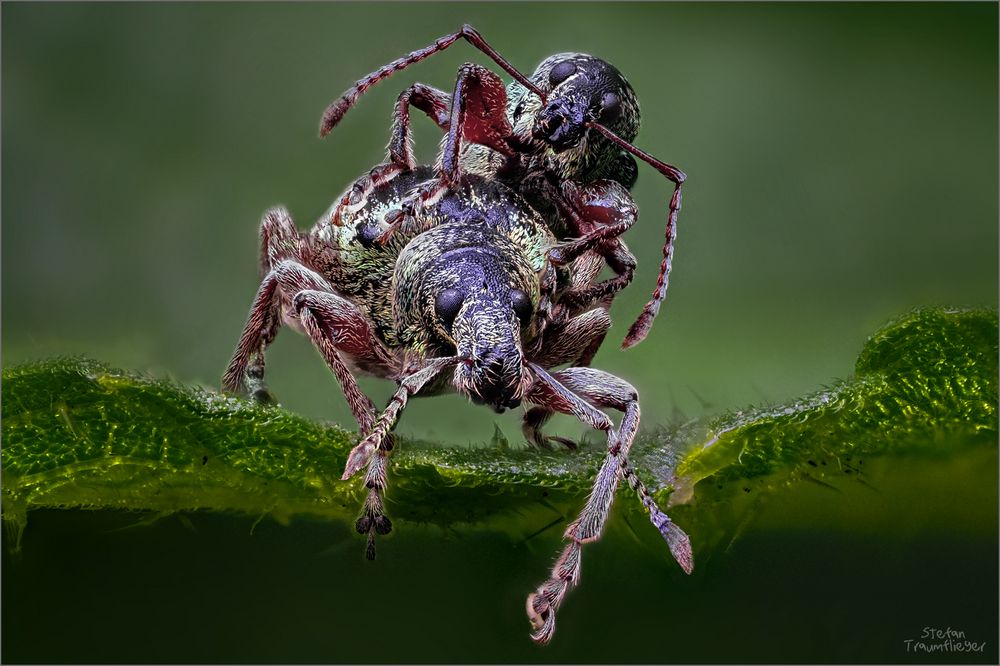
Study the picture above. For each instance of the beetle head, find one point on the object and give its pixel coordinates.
(484, 311)
(580, 89)
(477, 296)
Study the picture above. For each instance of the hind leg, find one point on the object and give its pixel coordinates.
(279, 240)
(292, 292)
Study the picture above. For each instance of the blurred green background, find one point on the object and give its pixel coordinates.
(842, 163)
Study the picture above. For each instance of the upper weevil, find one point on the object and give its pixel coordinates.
(463, 296)
(571, 122)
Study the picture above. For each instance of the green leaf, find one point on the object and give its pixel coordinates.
(79, 434)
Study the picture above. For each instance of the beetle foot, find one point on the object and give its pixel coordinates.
(544, 601)
(542, 617)
(263, 396)
(544, 442)
(253, 385)
(373, 521)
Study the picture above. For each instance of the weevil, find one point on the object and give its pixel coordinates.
(464, 296)
(572, 122)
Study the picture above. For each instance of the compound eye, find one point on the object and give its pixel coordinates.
(611, 107)
(561, 72)
(522, 306)
(447, 305)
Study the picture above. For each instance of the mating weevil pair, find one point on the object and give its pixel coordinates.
(571, 123)
(477, 275)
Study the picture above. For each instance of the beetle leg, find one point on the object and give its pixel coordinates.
(435, 103)
(279, 240)
(574, 341)
(340, 106)
(409, 385)
(335, 326)
(299, 295)
(245, 373)
(600, 212)
(571, 391)
(606, 390)
(478, 115)
(621, 261)
(375, 448)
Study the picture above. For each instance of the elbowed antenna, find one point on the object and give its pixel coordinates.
(340, 106)
(640, 328)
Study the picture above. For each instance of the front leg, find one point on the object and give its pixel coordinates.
(582, 296)
(374, 450)
(336, 326)
(575, 342)
(572, 391)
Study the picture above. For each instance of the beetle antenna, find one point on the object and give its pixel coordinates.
(677, 540)
(340, 106)
(637, 332)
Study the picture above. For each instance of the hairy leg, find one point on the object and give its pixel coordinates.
(572, 391)
(334, 325)
(574, 341)
(279, 241)
(621, 261)
(373, 451)
(435, 103)
(599, 213)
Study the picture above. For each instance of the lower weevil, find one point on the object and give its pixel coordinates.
(464, 297)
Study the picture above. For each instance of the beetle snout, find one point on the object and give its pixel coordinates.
(495, 380)
(560, 124)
